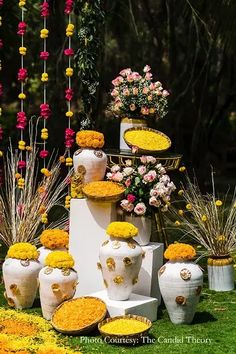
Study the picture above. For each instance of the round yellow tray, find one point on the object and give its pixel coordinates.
(142, 149)
(132, 338)
(102, 197)
(81, 330)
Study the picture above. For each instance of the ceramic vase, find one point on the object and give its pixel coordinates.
(120, 263)
(55, 286)
(144, 225)
(220, 273)
(21, 281)
(127, 123)
(44, 251)
(91, 163)
(180, 285)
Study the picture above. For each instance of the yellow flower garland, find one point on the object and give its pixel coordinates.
(54, 238)
(59, 259)
(90, 139)
(121, 229)
(23, 250)
(177, 251)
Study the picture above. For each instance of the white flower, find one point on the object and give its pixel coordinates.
(143, 159)
(140, 209)
(117, 177)
(115, 168)
(150, 176)
(109, 175)
(128, 171)
(146, 68)
(142, 169)
(128, 162)
(154, 193)
(165, 179)
(154, 202)
(151, 159)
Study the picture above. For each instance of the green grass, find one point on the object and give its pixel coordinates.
(212, 331)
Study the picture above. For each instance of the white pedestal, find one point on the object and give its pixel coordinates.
(148, 277)
(136, 305)
(88, 222)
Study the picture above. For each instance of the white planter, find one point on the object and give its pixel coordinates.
(221, 277)
(55, 286)
(144, 225)
(120, 261)
(127, 123)
(180, 286)
(94, 161)
(43, 252)
(21, 281)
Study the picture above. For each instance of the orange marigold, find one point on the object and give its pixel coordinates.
(90, 139)
(177, 251)
(54, 238)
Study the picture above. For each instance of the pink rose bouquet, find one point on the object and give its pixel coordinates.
(147, 186)
(136, 95)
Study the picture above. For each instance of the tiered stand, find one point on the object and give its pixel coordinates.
(88, 223)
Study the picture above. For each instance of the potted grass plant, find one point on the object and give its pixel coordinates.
(211, 222)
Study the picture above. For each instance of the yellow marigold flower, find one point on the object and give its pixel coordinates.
(68, 197)
(121, 229)
(180, 192)
(62, 159)
(204, 218)
(44, 77)
(69, 71)
(69, 114)
(18, 175)
(42, 210)
(189, 206)
(46, 172)
(59, 259)
(22, 96)
(44, 33)
(1, 153)
(23, 250)
(218, 203)
(22, 3)
(182, 169)
(177, 251)
(54, 238)
(22, 50)
(90, 139)
(28, 148)
(69, 161)
(180, 212)
(177, 223)
(147, 140)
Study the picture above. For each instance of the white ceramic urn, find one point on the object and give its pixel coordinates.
(21, 281)
(55, 286)
(94, 162)
(180, 285)
(120, 263)
(44, 251)
(144, 225)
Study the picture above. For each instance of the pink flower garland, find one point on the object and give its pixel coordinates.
(44, 55)
(69, 133)
(21, 28)
(44, 9)
(69, 6)
(45, 110)
(22, 74)
(21, 120)
(69, 94)
(43, 154)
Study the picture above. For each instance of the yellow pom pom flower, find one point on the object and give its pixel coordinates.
(182, 169)
(21, 145)
(67, 201)
(70, 30)
(59, 259)
(44, 77)
(180, 212)
(218, 203)
(44, 218)
(18, 175)
(21, 183)
(44, 33)
(22, 3)
(177, 223)
(189, 206)
(204, 218)
(69, 161)
(69, 72)
(46, 172)
(1, 153)
(54, 238)
(23, 250)
(180, 192)
(178, 251)
(44, 134)
(69, 114)
(22, 96)
(22, 50)
(121, 229)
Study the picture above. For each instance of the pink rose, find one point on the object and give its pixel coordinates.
(128, 171)
(154, 193)
(154, 202)
(132, 107)
(136, 76)
(114, 93)
(142, 170)
(158, 84)
(115, 168)
(152, 86)
(150, 176)
(131, 198)
(146, 68)
(117, 81)
(135, 91)
(148, 76)
(126, 92)
(143, 159)
(165, 93)
(144, 110)
(117, 177)
(125, 72)
(130, 78)
(126, 205)
(140, 209)
(158, 93)
(145, 90)
(151, 159)
(128, 182)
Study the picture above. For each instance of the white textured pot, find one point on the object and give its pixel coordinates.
(55, 286)
(43, 252)
(94, 161)
(21, 281)
(144, 225)
(180, 285)
(120, 262)
(220, 274)
(127, 123)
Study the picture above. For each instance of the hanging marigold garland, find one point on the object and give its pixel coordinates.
(1, 94)
(22, 77)
(69, 52)
(45, 110)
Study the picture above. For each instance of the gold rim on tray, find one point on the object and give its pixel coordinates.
(123, 337)
(85, 329)
(146, 151)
